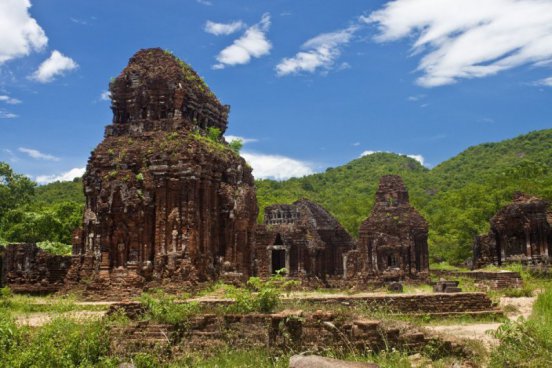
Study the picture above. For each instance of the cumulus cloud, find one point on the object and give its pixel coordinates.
(20, 34)
(36, 154)
(57, 64)
(468, 38)
(204, 2)
(66, 176)
(244, 140)
(9, 100)
(223, 29)
(252, 44)
(418, 158)
(276, 167)
(319, 52)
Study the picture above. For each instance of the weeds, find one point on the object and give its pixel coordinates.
(527, 343)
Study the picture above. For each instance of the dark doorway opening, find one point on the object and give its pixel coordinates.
(278, 260)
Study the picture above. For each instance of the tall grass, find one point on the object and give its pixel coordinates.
(59, 344)
(527, 343)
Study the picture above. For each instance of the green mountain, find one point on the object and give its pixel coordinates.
(457, 197)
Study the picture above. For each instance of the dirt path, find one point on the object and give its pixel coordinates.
(518, 307)
(40, 319)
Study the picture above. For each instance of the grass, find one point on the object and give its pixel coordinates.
(527, 343)
(445, 266)
(262, 358)
(16, 304)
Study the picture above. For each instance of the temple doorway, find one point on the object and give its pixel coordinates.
(278, 260)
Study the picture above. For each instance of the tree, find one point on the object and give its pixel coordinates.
(15, 189)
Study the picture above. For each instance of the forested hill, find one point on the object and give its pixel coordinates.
(529, 155)
(457, 197)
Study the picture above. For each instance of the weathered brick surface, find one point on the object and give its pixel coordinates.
(302, 237)
(393, 240)
(28, 269)
(287, 331)
(492, 279)
(165, 204)
(520, 233)
(413, 303)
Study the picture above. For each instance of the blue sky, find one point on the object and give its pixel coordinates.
(312, 84)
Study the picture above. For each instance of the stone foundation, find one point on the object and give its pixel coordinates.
(290, 331)
(436, 303)
(490, 279)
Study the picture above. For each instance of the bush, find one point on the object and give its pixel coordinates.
(165, 308)
(61, 343)
(213, 134)
(524, 291)
(259, 296)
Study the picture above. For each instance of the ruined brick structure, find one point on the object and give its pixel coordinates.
(520, 232)
(393, 240)
(303, 238)
(167, 199)
(28, 269)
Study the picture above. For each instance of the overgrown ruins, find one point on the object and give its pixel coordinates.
(169, 203)
(520, 232)
(303, 238)
(393, 240)
(166, 198)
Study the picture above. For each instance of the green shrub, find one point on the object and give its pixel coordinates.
(236, 145)
(5, 297)
(524, 291)
(213, 134)
(60, 343)
(165, 308)
(259, 295)
(56, 248)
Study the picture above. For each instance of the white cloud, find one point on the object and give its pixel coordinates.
(20, 34)
(319, 52)
(9, 100)
(276, 167)
(219, 29)
(57, 64)
(105, 96)
(544, 82)
(204, 2)
(36, 154)
(416, 98)
(252, 44)
(418, 158)
(66, 176)
(356, 144)
(468, 38)
(7, 115)
(231, 138)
